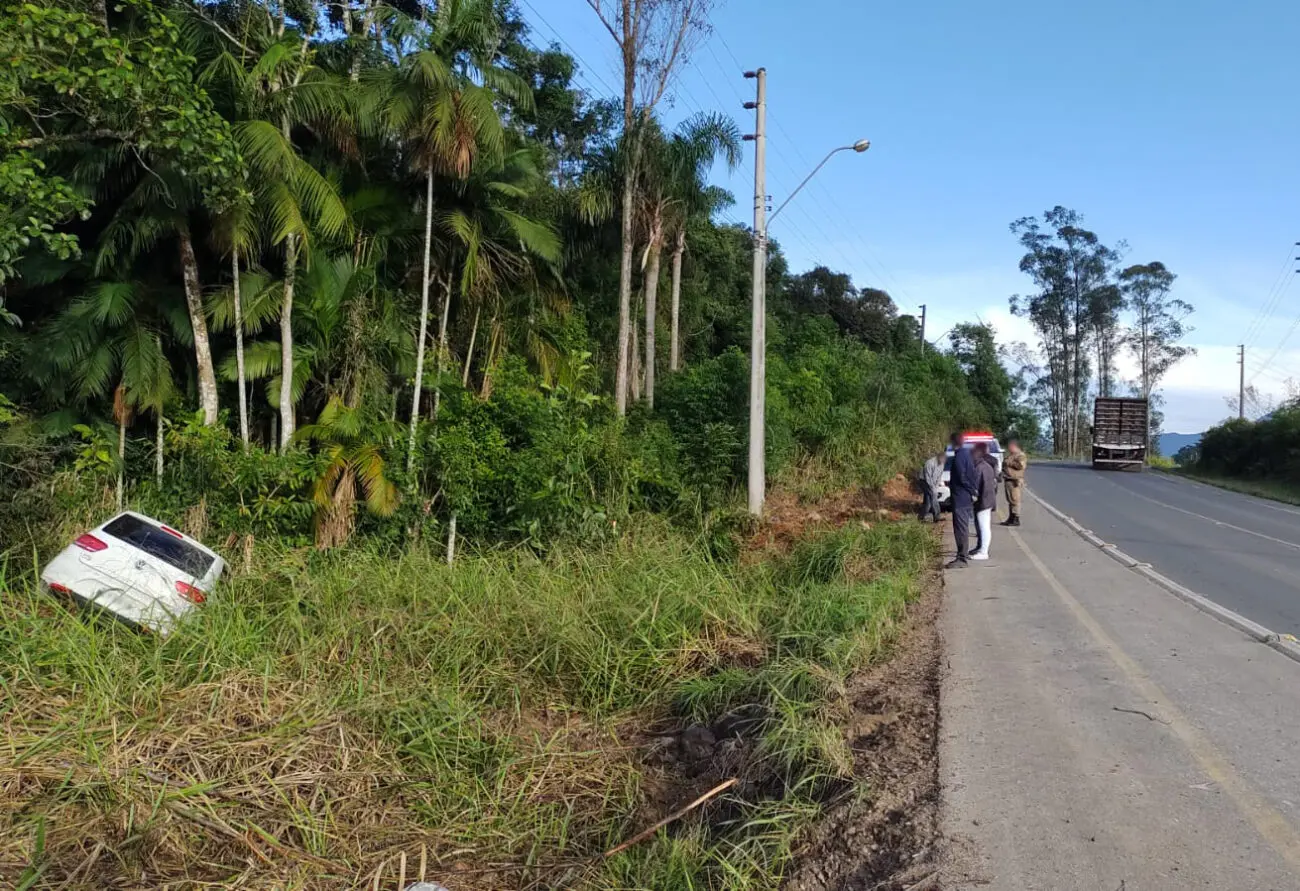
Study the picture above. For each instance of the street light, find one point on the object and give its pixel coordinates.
(758, 361)
(860, 146)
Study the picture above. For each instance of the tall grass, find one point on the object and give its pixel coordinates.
(328, 714)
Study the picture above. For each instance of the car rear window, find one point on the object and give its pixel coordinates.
(163, 545)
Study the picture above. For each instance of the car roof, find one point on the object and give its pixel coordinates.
(187, 539)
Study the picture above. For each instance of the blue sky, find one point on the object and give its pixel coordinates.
(1171, 125)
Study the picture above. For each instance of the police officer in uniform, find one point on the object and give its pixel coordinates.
(1013, 472)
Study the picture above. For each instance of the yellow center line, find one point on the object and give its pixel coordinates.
(1267, 821)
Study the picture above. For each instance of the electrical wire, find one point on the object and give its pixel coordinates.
(1285, 337)
(1265, 313)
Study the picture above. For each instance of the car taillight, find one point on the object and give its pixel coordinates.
(190, 593)
(170, 531)
(60, 589)
(88, 542)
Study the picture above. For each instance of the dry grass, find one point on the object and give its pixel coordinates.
(359, 720)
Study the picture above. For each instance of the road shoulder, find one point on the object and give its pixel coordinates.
(1074, 753)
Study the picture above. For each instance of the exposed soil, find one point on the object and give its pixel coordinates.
(790, 518)
(886, 840)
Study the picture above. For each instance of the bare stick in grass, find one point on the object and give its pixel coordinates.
(675, 815)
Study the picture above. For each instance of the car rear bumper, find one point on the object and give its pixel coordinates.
(123, 602)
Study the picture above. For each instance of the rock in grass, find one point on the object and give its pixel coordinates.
(696, 743)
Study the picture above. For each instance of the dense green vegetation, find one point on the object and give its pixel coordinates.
(333, 287)
(344, 278)
(1256, 457)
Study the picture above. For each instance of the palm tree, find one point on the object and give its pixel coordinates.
(157, 207)
(353, 461)
(674, 190)
(497, 242)
(345, 328)
(272, 95)
(236, 232)
(440, 101)
(696, 199)
(108, 344)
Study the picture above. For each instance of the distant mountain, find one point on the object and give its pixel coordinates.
(1170, 443)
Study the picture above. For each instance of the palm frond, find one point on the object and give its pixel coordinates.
(110, 304)
(536, 237)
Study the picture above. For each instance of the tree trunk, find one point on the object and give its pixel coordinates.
(629, 45)
(673, 337)
(442, 344)
(287, 421)
(121, 460)
(634, 359)
(158, 448)
(451, 540)
(651, 296)
(624, 301)
(424, 316)
(469, 353)
(202, 346)
(489, 356)
(239, 348)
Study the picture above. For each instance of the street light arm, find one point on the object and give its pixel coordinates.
(844, 148)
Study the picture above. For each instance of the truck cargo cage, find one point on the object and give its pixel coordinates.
(1119, 433)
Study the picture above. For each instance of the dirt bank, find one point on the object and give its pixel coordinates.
(884, 837)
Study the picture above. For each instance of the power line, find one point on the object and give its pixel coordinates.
(885, 279)
(794, 232)
(1289, 331)
(560, 37)
(1265, 312)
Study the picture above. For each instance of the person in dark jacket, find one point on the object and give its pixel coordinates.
(963, 481)
(986, 499)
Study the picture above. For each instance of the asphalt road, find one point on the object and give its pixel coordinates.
(1098, 733)
(1239, 551)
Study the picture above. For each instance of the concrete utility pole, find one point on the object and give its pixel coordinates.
(922, 329)
(1241, 387)
(758, 311)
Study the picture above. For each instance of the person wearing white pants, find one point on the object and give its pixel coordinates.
(986, 503)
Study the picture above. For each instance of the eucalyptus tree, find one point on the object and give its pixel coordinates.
(1158, 322)
(1069, 266)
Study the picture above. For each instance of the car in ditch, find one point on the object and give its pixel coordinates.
(136, 569)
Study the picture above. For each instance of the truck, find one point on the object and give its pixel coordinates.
(1120, 431)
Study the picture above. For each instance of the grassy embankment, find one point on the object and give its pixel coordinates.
(331, 717)
(1274, 490)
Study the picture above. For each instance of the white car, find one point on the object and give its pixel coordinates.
(139, 570)
(943, 494)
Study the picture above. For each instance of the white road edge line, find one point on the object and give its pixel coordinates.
(1287, 646)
